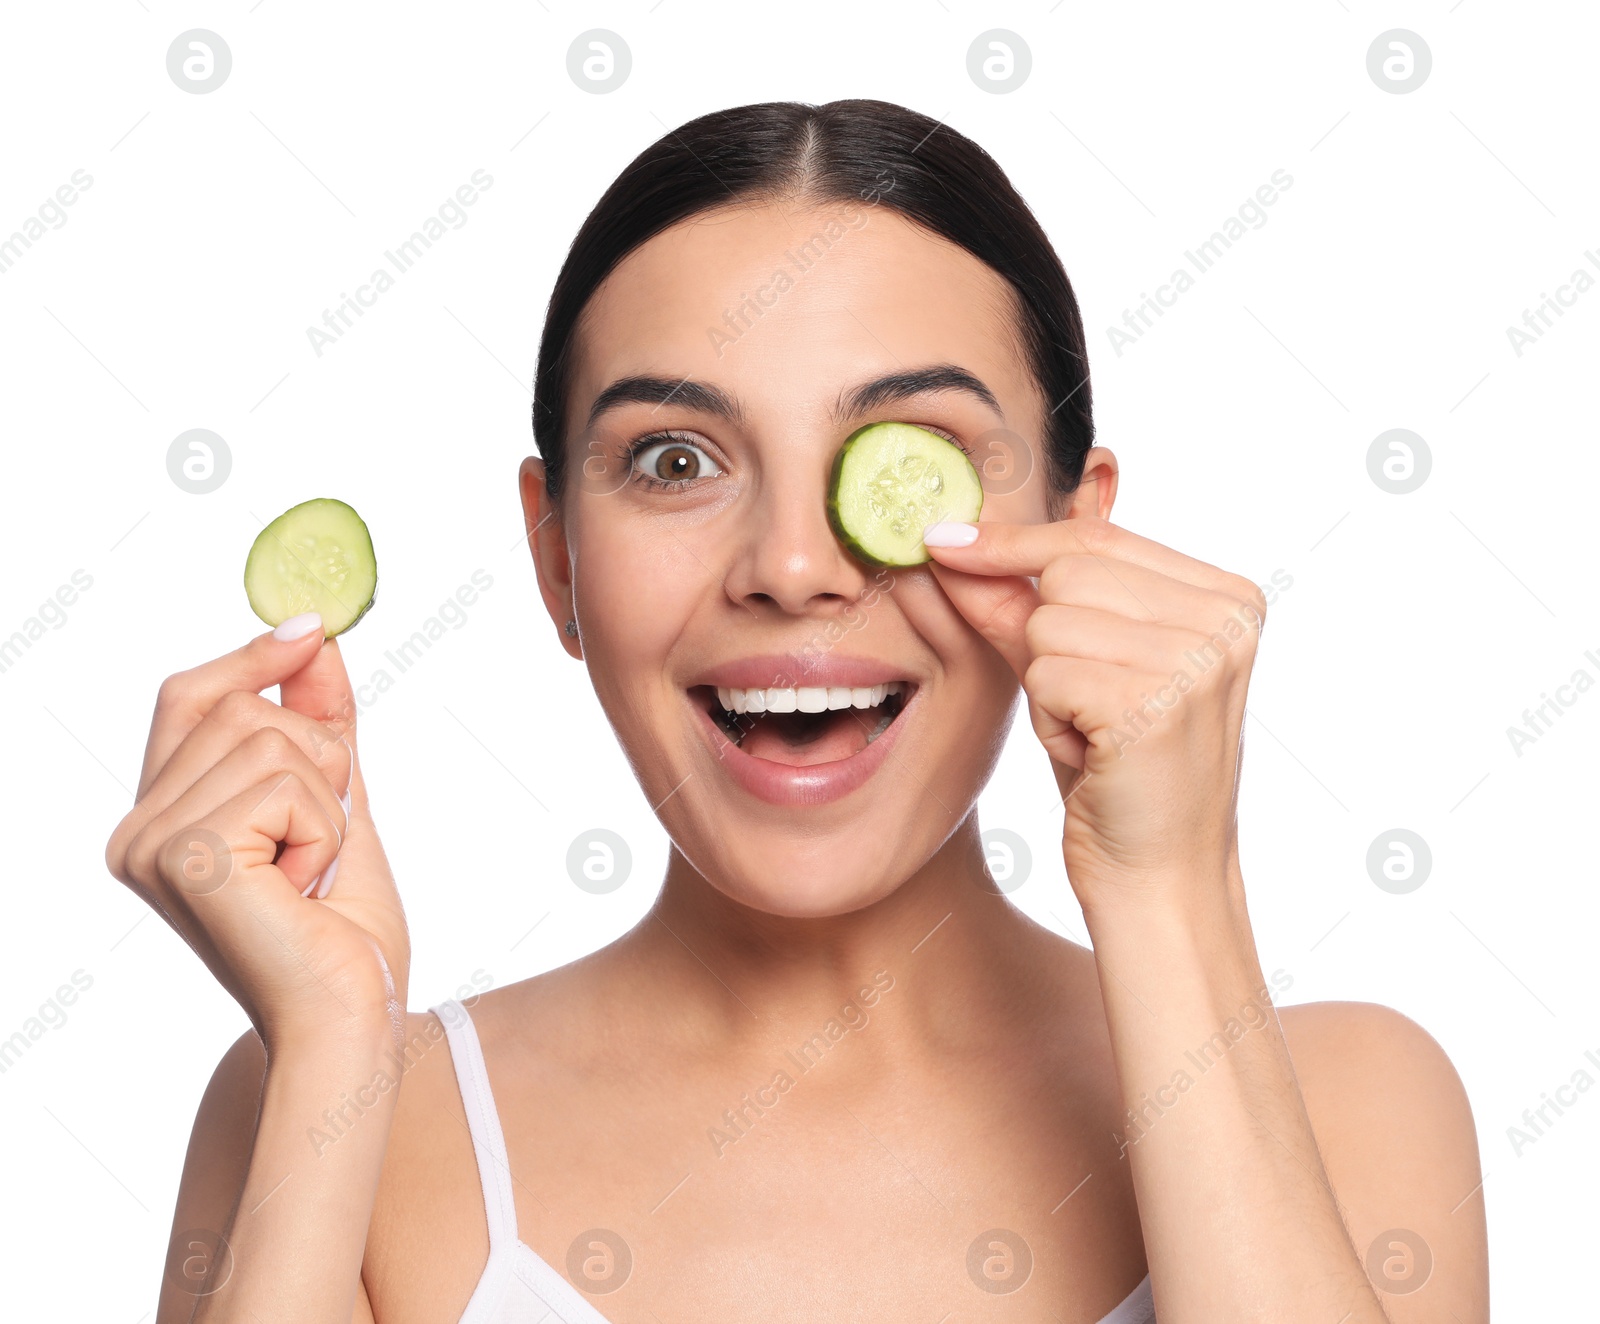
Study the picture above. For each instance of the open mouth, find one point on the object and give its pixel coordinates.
(804, 726)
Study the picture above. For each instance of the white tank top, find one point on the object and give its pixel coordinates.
(517, 1286)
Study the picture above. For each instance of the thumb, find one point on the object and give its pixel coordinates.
(321, 690)
(996, 606)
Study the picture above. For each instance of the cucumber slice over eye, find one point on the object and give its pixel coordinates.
(316, 556)
(889, 482)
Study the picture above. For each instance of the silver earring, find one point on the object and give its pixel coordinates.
(572, 628)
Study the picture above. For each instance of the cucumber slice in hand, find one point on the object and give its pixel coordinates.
(316, 556)
(890, 481)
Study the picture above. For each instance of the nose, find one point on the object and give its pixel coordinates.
(788, 557)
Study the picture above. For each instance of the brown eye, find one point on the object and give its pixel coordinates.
(676, 462)
(673, 462)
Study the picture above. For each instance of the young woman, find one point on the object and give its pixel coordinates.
(834, 1074)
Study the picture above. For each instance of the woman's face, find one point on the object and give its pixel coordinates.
(758, 338)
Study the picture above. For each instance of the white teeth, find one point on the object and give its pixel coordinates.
(805, 698)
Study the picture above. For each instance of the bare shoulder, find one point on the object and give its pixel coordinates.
(1396, 1133)
(429, 1238)
(1359, 1064)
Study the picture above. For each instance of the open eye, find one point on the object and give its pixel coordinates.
(666, 459)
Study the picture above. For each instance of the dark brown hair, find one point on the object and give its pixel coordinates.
(857, 151)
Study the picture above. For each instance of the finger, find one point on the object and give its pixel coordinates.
(1095, 701)
(232, 721)
(1137, 592)
(188, 696)
(1103, 636)
(262, 760)
(1003, 548)
(997, 607)
(1066, 745)
(242, 879)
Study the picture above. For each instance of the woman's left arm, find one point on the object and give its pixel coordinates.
(1347, 1192)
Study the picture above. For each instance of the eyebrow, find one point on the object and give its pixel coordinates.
(875, 394)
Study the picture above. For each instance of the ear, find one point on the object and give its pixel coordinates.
(547, 540)
(1097, 491)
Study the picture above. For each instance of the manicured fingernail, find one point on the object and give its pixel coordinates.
(327, 879)
(306, 890)
(344, 803)
(297, 627)
(949, 533)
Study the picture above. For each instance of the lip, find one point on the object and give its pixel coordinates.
(781, 784)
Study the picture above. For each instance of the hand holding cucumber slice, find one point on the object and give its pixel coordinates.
(316, 556)
(890, 481)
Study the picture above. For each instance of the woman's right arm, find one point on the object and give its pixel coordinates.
(243, 806)
(249, 1130)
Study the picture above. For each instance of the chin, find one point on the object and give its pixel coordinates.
(801, 880)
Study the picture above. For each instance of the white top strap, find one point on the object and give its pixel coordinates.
(1137, 1308)
(483, 1121)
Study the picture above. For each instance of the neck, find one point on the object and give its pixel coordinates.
(941, 962)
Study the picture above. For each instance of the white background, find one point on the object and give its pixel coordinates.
(1417, 629)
